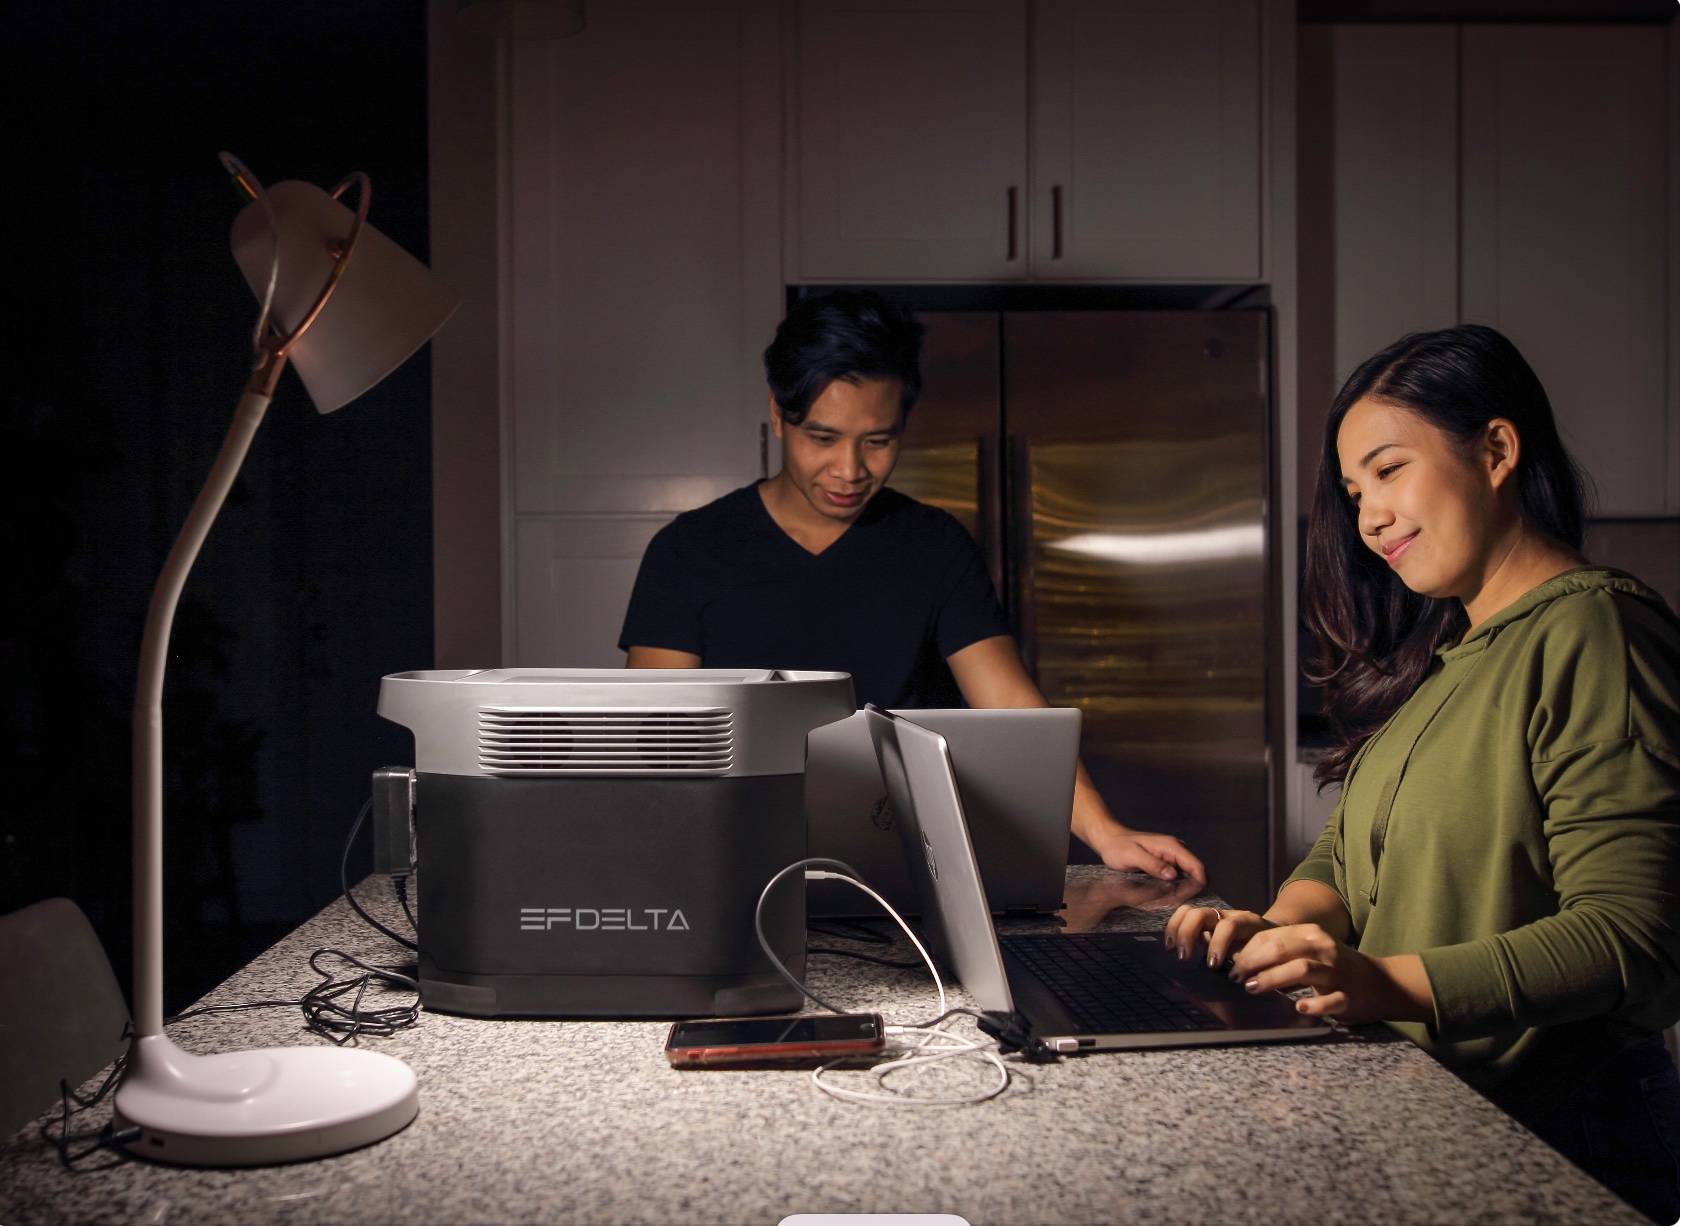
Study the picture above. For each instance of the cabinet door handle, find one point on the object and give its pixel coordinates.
(1058, 222)
(1011, 224)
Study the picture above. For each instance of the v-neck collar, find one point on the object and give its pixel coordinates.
(773, 525)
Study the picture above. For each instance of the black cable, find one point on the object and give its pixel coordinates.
(341, 1025)
(854, 953)
(862, 934)
(105, 1138)
(345, 884)
(401, 885)
(760, 931)
(252, 1004)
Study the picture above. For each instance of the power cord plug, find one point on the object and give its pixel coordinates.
(1011, 1031)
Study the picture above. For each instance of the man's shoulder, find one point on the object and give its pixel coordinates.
(727, 512)
(897, 514)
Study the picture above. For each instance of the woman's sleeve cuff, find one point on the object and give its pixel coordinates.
(1470, 990)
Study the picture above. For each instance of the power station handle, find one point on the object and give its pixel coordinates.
(989, 518)
(1058, 222)
(1011, 224)
(394, 820)
(1023, 550)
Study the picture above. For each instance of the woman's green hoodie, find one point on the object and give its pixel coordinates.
(1516, 824)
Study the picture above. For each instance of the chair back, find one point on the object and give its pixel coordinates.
(62, 1015)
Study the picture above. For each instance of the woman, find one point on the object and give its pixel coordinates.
(1498, 880)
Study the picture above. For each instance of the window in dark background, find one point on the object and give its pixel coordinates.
(124, 343)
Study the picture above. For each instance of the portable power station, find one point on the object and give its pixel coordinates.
(592, 842)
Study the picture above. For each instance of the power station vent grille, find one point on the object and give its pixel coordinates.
(605, 740)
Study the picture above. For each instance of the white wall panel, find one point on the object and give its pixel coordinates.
(645, 244)
(559, 558)
(1570, 230)
(645, 278)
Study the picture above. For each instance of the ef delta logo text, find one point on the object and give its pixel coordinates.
(603, 919)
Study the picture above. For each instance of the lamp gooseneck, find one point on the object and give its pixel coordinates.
(149, 698)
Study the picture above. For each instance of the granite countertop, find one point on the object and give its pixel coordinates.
(584, 1122)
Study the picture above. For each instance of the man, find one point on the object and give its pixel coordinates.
(824, 567)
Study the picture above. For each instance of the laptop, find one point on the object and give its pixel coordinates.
(1017, 774)
(1071, 991)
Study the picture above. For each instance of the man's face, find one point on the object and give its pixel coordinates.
(845, 448)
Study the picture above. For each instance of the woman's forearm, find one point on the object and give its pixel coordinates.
(1310, 902)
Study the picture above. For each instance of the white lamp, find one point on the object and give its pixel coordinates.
(347, 306)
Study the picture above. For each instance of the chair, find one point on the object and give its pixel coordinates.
(62, 1015)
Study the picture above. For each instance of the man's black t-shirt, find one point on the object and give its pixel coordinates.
(901, 590)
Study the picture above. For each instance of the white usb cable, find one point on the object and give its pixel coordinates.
(947, 1045)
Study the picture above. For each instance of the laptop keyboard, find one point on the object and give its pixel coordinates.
(1107, 992)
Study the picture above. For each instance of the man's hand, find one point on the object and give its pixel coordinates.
(1089, 899)
(1161, 855)
(990, 674)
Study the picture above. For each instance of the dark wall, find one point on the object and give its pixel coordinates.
(124, 343)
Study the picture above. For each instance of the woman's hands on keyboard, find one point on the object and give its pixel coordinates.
(1211, 934)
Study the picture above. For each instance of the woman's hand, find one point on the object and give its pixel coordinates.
(1348, 985)
(1225, 932)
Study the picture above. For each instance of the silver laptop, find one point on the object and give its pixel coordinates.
(1071, 991)
(1017, 775)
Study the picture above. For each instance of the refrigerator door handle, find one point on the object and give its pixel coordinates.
(989, 512)
(1021, 580)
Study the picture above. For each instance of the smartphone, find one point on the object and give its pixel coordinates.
(720, 1041)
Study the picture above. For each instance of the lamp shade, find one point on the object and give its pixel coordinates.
(385, 307)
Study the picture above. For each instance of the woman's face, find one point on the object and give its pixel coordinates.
(1424, 503)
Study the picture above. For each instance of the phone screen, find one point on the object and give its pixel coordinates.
(776, 1031)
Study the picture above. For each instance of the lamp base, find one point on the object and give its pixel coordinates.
(254, 1108)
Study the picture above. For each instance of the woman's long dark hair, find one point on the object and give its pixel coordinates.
(1376, 637)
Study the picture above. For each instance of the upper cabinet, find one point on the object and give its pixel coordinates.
(929, 144)
(911, 139)
(1147, 133)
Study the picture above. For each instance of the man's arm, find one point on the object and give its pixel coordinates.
(990, 674)
(660, 657)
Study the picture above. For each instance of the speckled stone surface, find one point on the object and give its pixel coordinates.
(584, 1122)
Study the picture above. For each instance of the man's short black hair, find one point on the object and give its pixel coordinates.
(849, 334)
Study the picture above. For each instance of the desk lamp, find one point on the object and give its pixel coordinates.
(347, 306)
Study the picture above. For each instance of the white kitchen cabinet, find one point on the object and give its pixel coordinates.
(1523, 177)
(911, 139)
(1395, 186)
(643, 280)
(1570, 236)
(930, 145)
(1146, 141)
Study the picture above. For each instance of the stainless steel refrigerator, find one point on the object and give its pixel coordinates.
(1114, 466)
